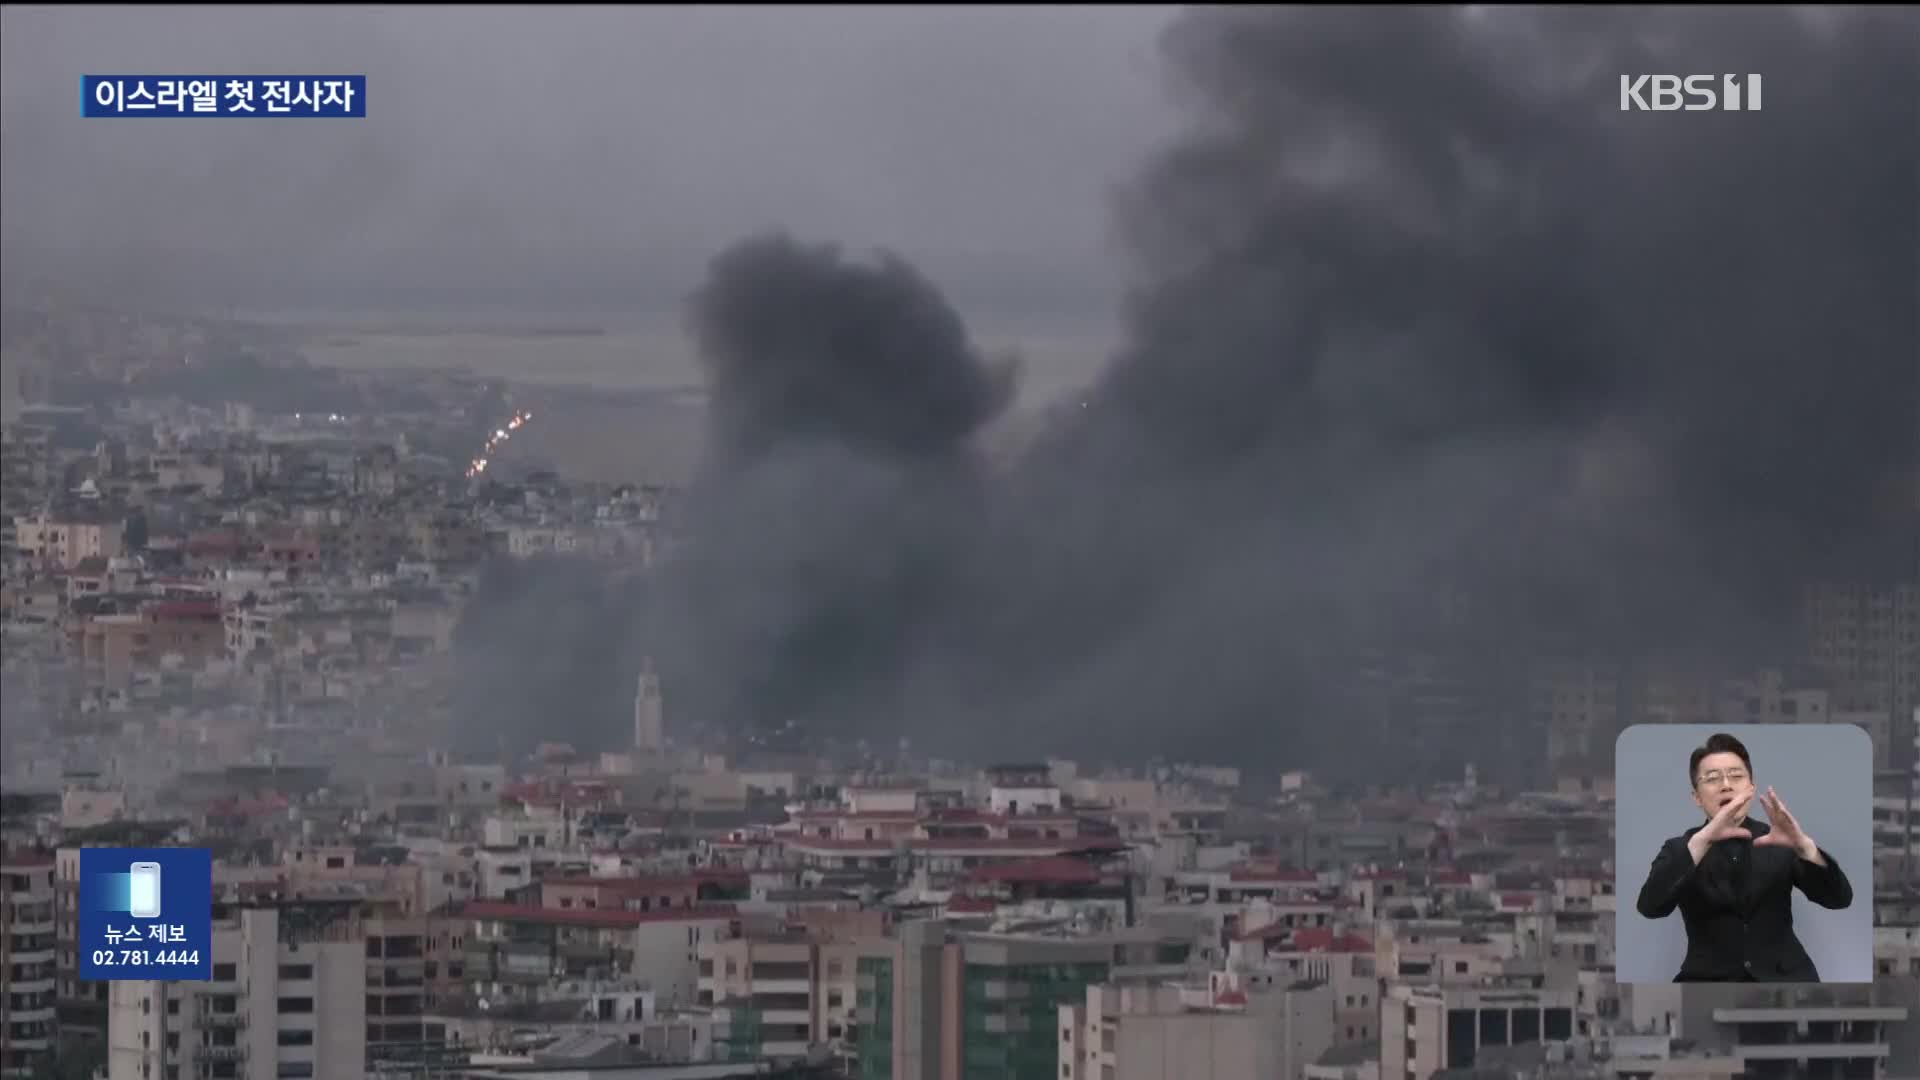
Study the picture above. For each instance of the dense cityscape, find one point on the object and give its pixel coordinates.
(234, 627)
(595, 635)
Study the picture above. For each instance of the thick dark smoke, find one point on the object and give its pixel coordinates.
(547, 650)
(839, 485)
(1437, 358)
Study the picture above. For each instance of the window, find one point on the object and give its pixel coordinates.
(290, 972)
(224, 973)
(296, 1037)
(295, 1005)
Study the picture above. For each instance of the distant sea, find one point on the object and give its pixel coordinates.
(618, 352)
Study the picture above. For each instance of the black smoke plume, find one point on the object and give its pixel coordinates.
(1438, 361)
(839, 484)
(546, 650)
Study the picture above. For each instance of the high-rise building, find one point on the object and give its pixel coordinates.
(287, 999)
(1579, 704)
(1424, 1029)
(936, 1007)
(1865, 640)
(27, 948)
(82, 1005)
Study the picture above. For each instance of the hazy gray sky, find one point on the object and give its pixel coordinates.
(586, 156)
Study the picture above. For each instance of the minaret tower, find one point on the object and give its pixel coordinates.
(649, 731)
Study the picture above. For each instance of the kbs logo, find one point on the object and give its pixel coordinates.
(1694, 93)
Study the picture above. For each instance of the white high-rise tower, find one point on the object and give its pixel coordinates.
(649, 730)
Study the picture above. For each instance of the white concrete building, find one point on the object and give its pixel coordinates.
(287, 1000)
(1424, 1029)
(27, 962)
(1168, 1032)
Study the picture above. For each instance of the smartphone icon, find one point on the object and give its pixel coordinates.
(143, 890)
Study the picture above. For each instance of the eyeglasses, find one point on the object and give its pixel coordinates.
(1716, 778)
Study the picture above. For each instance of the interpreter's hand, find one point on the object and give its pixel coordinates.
(1785, 832)
(1728, 824)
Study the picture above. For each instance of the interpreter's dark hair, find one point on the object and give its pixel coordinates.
(1717, 744)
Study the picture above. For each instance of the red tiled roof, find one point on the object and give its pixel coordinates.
(971, 905)
(1450, 877)
(1054, 870)
(1380, 875)
(1230, 997)
(591, 917)
(1323, 939)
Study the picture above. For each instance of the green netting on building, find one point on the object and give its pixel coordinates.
(1012, 1015)
(873, 1003)
(742, 1041)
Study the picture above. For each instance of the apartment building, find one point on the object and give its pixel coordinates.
(287, 1000)
(1170, 1032)
(1810, 1032)
(1865, 639)
(769, 993)
(410, 964)
(1424, 1029)
(64, 540)
(82, 1005)
(1346, 962)
(508, 951)
(936, 1007)
(781, 993)
(27, 949)
(1579, 704)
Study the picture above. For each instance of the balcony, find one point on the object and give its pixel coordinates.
(1812, 1014)
(236, 1052)
(1814, 1051)
(232, 1021)
(33, 927)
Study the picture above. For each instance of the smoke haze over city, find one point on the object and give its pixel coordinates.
(1414, 321)
(1425, 348)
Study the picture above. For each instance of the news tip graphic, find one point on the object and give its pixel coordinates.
(146, 913)
(269, 97)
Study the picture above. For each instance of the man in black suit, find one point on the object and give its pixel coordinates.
(1733, 878)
